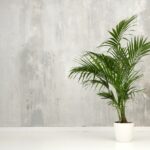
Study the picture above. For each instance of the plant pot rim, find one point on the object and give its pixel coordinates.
(123, 123)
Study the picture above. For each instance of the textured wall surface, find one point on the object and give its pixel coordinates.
(39, 40)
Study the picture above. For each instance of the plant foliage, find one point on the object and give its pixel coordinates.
(114, 73)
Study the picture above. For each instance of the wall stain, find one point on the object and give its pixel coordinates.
(37, 118)
(31, 67)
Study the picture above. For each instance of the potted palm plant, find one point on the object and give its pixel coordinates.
(114, 72)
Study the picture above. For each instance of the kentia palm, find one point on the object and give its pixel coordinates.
(114, 73)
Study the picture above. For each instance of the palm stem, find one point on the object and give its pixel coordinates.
(123, 116)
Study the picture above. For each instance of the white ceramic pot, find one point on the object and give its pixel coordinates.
(124, 131)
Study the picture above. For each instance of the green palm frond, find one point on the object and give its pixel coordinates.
(137, 47)
(108, 95)
(119, 32)
(96, 66)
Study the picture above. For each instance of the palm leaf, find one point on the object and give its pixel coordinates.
(119, 32)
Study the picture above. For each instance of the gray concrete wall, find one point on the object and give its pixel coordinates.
(39, 40)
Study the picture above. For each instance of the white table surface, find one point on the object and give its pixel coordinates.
(70, 138)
